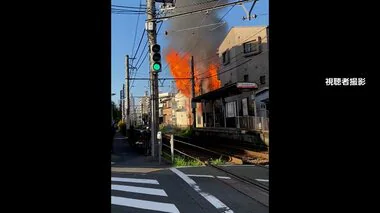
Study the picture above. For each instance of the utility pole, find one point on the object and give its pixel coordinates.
(123, 104)
(142, 111)
(127, 88)
(152, 37)
(193, 91)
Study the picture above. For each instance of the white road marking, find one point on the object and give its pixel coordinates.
(210, 176)
(223, 177)
(144, 204)
(262, 180)
(210, 198)
(134, 180)
(190, 166)
(141, 190)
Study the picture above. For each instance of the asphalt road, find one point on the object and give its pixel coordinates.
(140, 184)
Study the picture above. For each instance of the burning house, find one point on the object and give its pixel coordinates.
(243, 100)
(200, 43)
(230, 69)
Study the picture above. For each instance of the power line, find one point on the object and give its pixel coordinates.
(159, 28)
(201, 24)
(127, 10)
(224, 71)
(138, 47)
(145, 45)
(129, 7)
(196, 42)
(196, 4)
(134, 40)
(194, 28)
(230, 60)
(220, 20)
(142, 52)
(201, 10)
(254, 34)
(237, 55)
(126, 13)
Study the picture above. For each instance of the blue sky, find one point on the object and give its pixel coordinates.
(123, 32)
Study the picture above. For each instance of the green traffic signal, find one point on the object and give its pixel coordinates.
(156, 66)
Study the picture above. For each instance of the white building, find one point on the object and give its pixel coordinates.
(244, 55)
(181, 110)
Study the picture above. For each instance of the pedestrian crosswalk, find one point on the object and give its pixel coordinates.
(140, 186)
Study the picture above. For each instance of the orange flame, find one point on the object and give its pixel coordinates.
(180, 68)
(214, 82)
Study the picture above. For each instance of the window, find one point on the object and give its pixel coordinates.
(231, 109)
(245, 78)
(252, 47)
(226, 57)
(245, 106)
(262, 79)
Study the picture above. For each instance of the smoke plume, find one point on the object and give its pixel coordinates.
(200, 42)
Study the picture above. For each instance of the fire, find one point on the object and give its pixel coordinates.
(180, 68)
(179, 65)
(214, 82)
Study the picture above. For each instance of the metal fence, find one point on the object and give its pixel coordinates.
(253, 123)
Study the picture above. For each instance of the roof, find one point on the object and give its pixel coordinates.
(226, 91)
(241, 27)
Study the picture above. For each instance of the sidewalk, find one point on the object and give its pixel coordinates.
(127, 159)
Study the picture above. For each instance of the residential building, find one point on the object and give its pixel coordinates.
(243, 99)
(167, 110)
(144, 108)
(181, 110)
(163, 99)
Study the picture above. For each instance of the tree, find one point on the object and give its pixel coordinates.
(116, 112)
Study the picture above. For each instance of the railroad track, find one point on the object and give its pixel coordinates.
(236, 154)
(263, 187)
(203, 154)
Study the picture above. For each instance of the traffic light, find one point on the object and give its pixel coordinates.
(156, 56)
